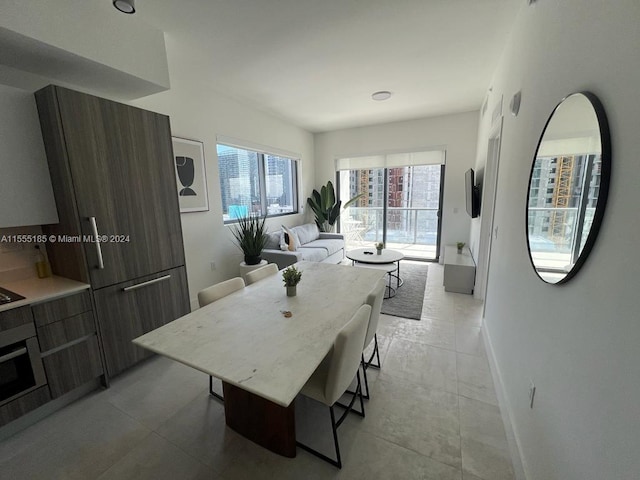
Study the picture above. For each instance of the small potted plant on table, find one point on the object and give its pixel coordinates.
(291, 277)
(460, 246)
(379, 247)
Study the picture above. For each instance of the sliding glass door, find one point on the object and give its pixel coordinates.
(400, 207)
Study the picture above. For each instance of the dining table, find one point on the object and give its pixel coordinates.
(264, 345)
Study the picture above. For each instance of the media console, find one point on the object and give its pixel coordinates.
(459, 270)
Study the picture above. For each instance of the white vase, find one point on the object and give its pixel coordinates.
(244, 268)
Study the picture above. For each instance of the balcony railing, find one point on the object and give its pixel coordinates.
(415, 226)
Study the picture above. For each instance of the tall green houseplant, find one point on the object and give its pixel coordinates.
(325, 207)
(250, 234)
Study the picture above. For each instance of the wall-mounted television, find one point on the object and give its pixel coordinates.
(472, 194)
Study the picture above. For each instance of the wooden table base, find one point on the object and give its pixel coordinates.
(262, 421)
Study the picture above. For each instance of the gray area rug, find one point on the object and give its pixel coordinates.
(408, 300)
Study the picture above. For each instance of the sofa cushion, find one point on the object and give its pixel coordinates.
(330, 246)
(290, 239)
(273, 241)
(306, 233)
(313, 254)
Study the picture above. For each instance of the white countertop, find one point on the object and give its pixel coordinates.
(37, 290)
(244, 339)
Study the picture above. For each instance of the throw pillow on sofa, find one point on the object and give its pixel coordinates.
(290, 239)
(273, 241)
(306, 233)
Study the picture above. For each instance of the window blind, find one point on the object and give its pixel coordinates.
(256, 147)
(391, 160)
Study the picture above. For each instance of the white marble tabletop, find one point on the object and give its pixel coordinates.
(245, 339)
(387, 255)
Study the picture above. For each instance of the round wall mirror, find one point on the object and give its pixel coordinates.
(568, 187)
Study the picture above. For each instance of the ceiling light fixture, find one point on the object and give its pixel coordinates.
(125, 6)
(381, 95)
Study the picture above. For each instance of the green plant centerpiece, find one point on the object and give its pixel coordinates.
(460, 246)
(379, 247)
(326, 208)
(291, 276)
(250, 234)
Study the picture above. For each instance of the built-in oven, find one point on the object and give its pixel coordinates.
(21, 368)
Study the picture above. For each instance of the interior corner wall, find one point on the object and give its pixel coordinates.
(457, 133)
(200, 112)
(577, 342)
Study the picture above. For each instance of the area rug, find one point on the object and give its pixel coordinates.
(409, 297)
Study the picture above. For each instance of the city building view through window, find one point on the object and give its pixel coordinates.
(562, 201)
(400, 208)
(256, 183)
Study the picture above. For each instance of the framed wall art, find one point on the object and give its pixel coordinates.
(191, 177)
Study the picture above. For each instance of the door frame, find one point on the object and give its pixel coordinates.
(489, 195)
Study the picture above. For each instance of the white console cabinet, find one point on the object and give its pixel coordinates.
(459, 270)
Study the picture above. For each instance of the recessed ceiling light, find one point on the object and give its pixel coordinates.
(381, 95)
(125, 6)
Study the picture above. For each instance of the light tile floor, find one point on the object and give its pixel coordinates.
(433, 414)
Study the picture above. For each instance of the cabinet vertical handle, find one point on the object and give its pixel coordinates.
(96, 239)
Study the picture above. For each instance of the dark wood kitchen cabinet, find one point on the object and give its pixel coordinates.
(119, 166)
(68, 342)
(113, 177)
(137, 307)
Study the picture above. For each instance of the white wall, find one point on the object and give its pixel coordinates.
(26, 195)
(199, 112)
(456, 133)
(86, 45)
(578, 342)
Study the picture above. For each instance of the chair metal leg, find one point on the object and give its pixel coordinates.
(211, 392)
(366, 364)
(359, 387)
(375, 353)
(364, 374)
(334, 426)
(369, 363)
(360, 395)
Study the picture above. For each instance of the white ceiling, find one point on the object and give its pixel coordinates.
(316, 63)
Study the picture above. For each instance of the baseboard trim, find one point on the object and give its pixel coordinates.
(505, 408)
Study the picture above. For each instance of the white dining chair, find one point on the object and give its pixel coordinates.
(210, 295)
(374, 300)
(259, 273)
(219, 290)
(336, 372)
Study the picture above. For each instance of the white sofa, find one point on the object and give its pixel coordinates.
(313, 246)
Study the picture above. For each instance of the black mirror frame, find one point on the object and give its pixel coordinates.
(605, 176)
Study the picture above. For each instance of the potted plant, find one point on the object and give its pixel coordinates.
(291, 277)
(250, 234)
(325, 207)
(379, 247)
(460, 246)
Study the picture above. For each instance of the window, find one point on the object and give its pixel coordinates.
(256, 183)
(401, 203)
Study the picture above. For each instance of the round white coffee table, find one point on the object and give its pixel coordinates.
(386, 258)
